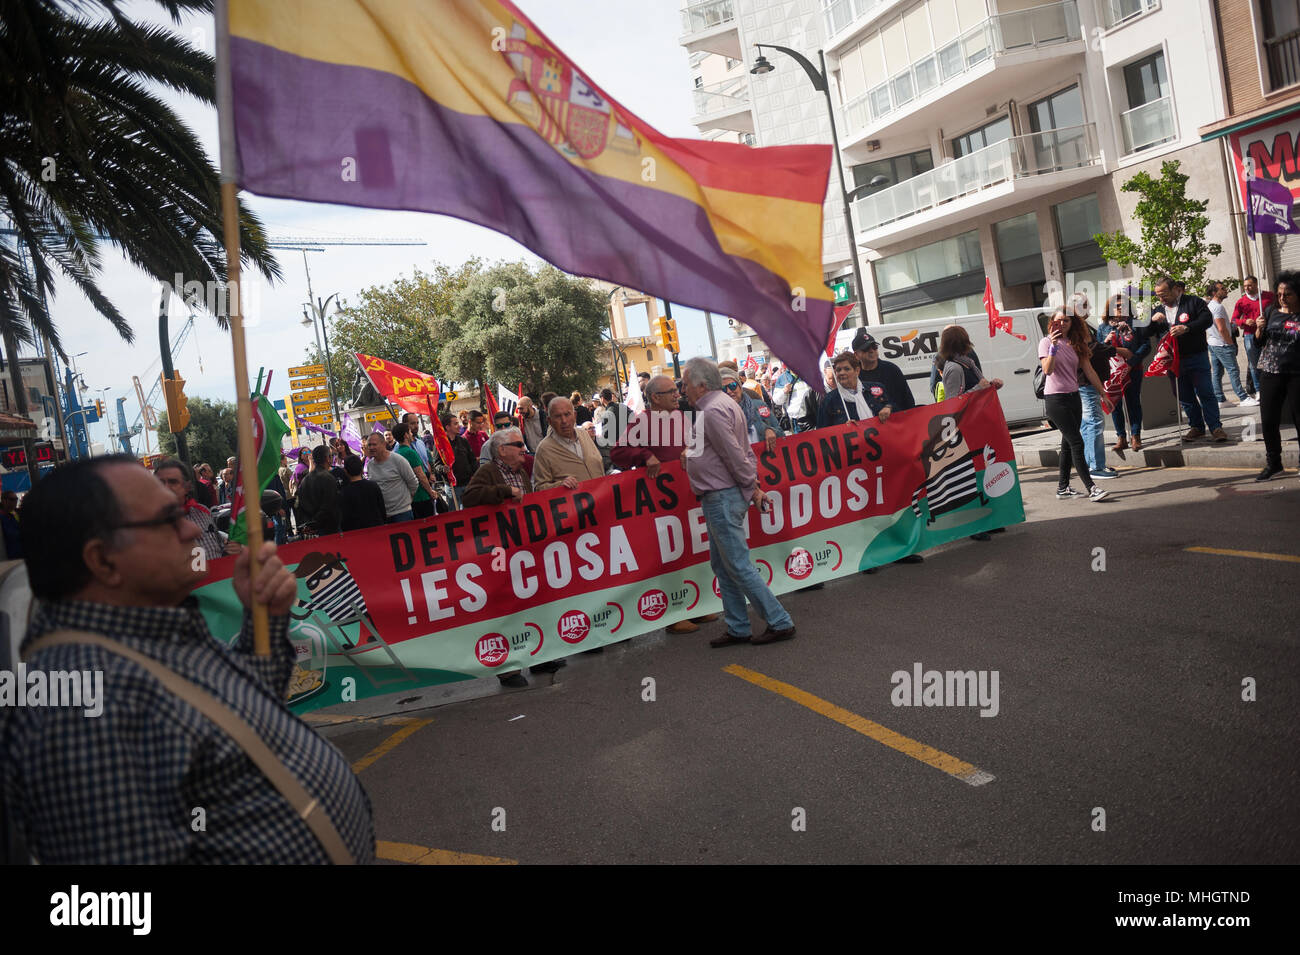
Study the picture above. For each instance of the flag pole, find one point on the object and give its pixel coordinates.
(230, 229)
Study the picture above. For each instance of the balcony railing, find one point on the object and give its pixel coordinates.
(1118, 11)
(1035, 27)
(1283, 54)
(840, 13)
(1019, 157)
(699, 17)
(724, 97)
(1148, 125)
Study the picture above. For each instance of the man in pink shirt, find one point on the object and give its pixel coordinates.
(724, 475)
(1245, 314)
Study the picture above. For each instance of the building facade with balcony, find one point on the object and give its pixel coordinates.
(999, 133)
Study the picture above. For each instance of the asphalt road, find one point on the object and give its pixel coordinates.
(1118, 691)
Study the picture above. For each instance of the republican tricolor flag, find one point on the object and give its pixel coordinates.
(465, 108)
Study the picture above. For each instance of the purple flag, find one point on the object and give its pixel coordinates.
(1270, 208)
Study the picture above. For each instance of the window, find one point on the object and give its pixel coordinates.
(976, 139)
(732, 64)
(1145, 80)
(1020, 255)
(1281, 41)
(1149, 120)
(1120, 11)
(1058, 111)
(1077, 221)
(699, 82)
(941, 279)
(896, 170)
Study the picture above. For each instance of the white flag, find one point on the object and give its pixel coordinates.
(507, 401)
(632, 397)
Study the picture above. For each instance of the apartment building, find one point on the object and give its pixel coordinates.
(993, 137)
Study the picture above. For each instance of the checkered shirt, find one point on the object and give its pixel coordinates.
(123, 787)
(209, 537)
(511, 477)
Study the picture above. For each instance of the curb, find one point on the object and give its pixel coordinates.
(1220, 456)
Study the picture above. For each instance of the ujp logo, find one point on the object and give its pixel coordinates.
(492, 649)
(652, 605)
(574, 626)
(799, 564)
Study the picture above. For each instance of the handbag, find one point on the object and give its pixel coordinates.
(277, 774)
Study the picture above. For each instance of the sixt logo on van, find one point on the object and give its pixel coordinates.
(913, 343)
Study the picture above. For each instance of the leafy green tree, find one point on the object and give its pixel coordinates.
(1173, 232)
(213, 433)
(92, 153)
(392, 322)
(512, 324)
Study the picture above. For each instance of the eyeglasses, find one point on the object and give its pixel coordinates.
(173, 516)
(731, 387)
(666, 391)
(514, 444)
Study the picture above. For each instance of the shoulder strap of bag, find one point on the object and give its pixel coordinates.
(308, 808)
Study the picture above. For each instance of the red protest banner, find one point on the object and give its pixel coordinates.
(490, 589)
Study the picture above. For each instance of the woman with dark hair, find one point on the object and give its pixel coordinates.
(1117, 329)
(958, 367)
(1277, 338)
(1064, 352)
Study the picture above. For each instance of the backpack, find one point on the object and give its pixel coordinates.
(970, 375)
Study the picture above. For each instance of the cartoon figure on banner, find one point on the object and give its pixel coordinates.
(335, 602)
(950, 479)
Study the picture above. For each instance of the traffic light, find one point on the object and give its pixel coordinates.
(666, 330)
(178, 412)
(99, 408)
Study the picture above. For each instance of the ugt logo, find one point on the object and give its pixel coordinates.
(492, 649)
(574, 626)
(799, 564)
(652, 605)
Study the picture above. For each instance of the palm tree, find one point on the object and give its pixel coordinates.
(90, 153)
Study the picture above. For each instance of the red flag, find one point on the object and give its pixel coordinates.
(1120, 373)
(440, 439)
(492, 406)
(840, 312)
(997, 320)
(405, 387)
(1166, 360)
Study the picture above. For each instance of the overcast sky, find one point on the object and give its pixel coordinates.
(630, 48)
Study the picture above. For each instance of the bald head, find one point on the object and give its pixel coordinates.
(563, 421)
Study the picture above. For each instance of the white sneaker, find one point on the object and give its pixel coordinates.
(1097, 494)
(1248, 402)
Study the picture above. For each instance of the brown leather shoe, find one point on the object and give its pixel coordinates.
(1194, 434)
(728, 639)
(772, 636)
(682, 626)
(1137, 443)
(1121, 443)
(1219, 435)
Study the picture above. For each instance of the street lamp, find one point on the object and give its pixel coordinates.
(820, 82)
(317, 311)
(613, 345)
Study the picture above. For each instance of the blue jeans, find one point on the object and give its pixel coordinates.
(1132, 399)
(1252, 357)
(1093, 428)
(738, 578)
(1195, 393)
(406, 515)
(1224, 358)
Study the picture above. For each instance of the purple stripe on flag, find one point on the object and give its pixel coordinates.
(299, 121)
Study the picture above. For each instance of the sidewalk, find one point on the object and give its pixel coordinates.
(1162, 448)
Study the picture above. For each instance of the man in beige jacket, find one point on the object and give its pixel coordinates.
(568, 454)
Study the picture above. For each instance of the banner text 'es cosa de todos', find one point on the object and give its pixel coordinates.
(492, 589)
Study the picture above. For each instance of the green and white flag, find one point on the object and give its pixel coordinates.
(269, 430)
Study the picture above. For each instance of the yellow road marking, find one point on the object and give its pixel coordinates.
(951, 765)
(419, 855)
(1258, 555)
(411, 726)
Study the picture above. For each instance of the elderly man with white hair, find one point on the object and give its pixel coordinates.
(568, 454)
(724, 476)
(502, 478)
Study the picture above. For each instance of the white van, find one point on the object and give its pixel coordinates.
(912, 347)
